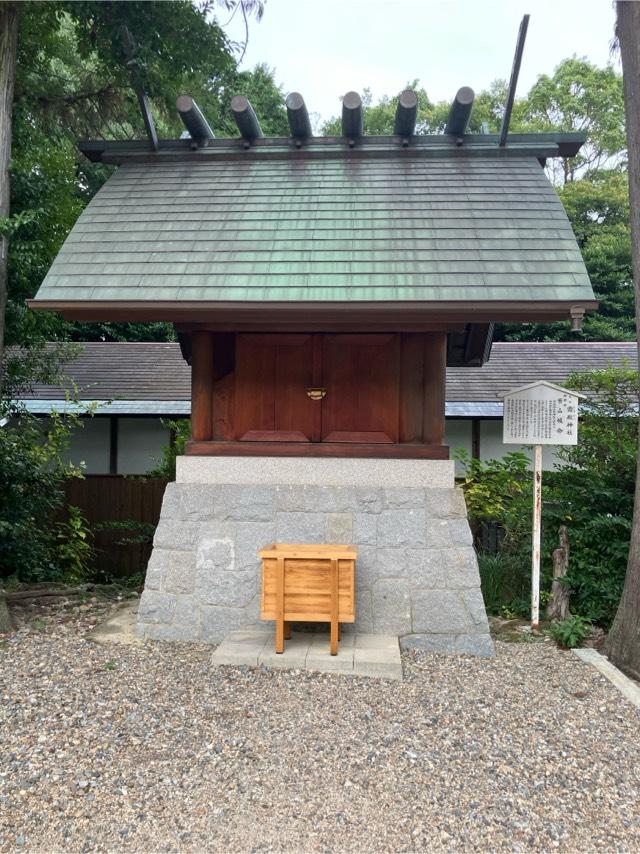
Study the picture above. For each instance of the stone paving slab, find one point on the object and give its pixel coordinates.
(358, 654)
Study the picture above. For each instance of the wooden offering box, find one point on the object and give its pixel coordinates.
(308, 583)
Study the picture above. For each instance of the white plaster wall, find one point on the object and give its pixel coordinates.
(458, 435)
(140, 444)
(492, 447)
(89, 446)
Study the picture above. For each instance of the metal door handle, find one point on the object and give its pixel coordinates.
(316, 393)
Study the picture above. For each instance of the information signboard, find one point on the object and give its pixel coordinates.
(538, 414)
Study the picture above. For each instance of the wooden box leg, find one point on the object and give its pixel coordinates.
(335, 626)
(280, 630)
(287, 629)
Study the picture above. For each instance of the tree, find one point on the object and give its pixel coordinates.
(9, 17)
(598, 209)
(623, 642)
(72, 82)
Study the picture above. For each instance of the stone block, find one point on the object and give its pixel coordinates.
(180, 576)
(368, 499)
(250, 538)
(294, 655)
(460, 532)
(438, 533)
(187, 611)
(154, 576)
(401, 528)
(403, 562)
(241, 648)
(474, 644)
(409, 497)
(234, 589)
(314, 499)
(156, 607)
(364, 612)
(246, 503)
(366, 566)
(461, 568)
(431, 572)
(216, 622)
(446, 504)
(391, 606)
(475, 606)
(300, 527)
(339, 528)
(162, 632)
(215, 555)
(189, 502)
(365, 529)
(440, 612)
(172, 534)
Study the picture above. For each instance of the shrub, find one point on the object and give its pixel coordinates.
(32, 476)
(570, 632)
(593, 489)
(166, 465)
(506, 583)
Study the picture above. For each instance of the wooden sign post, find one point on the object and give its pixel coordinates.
(538, 414)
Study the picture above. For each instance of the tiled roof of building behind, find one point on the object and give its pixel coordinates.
(157, 372)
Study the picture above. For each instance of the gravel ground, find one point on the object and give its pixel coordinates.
(147, 749)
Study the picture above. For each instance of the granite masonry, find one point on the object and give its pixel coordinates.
(416, 577)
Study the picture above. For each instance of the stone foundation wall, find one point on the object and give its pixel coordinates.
(416, 576)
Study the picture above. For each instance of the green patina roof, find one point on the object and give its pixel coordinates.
(249, 229)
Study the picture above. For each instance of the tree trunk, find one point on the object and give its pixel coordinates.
(9, 14)
(5, 617)
(558, 608)
(623, 643)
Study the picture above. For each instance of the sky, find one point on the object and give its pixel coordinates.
(324, 48)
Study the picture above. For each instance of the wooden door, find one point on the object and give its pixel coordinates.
(361, 376)
(273, 374)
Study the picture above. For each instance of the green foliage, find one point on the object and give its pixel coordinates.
(499, 491)
(505, 580)
(74, 81)
(32, 475)
(136, 532)
(166, 465)
(570, 632)
(74, 552)
(592, 491)
(598, 208)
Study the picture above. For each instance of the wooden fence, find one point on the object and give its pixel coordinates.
(113, 498)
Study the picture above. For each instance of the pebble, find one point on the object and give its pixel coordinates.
(530, 751)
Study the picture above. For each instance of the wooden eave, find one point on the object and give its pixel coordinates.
(382, 315)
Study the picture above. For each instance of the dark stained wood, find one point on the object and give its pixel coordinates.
(475, 438)
(411, 387)
(319, 449)
(383, 316)
(114, 498)
(361, 375)
(435, 376)
(273, 373)
(202, 377)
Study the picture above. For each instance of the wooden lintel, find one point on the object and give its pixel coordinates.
(318, 449)
(267, 326)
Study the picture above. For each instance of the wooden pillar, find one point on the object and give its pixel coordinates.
(201, 386)
(475, 438)
(435, 378)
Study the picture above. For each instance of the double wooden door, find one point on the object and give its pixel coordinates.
(317, 387)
